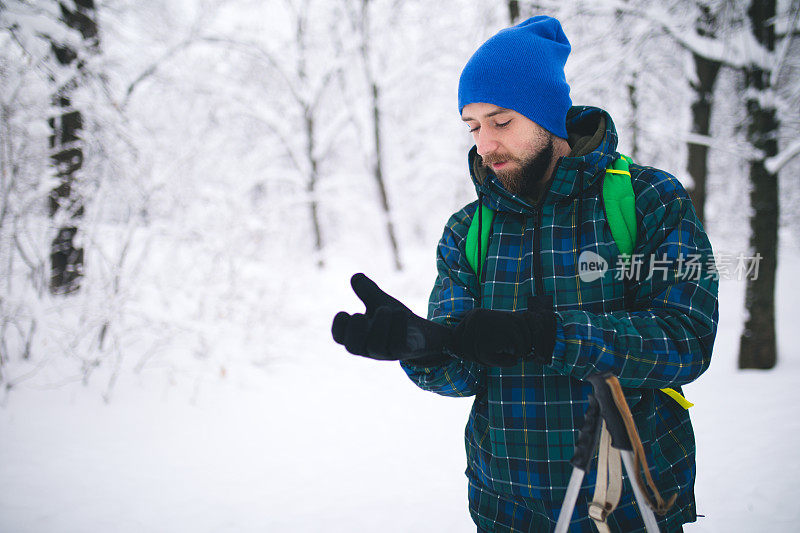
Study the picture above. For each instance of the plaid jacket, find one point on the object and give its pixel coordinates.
(652, 331)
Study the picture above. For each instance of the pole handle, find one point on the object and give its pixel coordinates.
(610, 412)
(588, 436)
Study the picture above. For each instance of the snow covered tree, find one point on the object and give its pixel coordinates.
(27, 71)
(300, 116)
(706, 71)
(513, 11)
(749, 45)
(757, 348)
(723, 36)
(66, 143)
(359, 13)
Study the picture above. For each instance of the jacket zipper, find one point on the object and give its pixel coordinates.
(537, 253)
(537, 237)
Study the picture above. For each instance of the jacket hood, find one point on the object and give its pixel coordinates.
(592, 138)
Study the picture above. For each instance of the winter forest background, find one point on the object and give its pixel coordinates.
(187, 185)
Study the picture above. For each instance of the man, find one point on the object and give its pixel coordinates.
(523, 335)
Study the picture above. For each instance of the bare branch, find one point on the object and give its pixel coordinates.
(785, 47)
(737, 50)
(22, 253)
(277, 132)
(776, 163)
(151, 70)
(257, 50)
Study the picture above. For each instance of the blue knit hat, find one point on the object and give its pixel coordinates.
(522, 68)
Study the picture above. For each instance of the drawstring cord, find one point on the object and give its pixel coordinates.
(578, 221)
(580, 206)
(480, 238)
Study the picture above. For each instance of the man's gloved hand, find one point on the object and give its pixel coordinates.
(388, 330)
(502, 338)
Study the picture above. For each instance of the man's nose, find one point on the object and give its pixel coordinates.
(485, 142)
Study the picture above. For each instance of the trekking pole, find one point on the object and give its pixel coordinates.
(584, 451)
(603, 418)
(621, 439)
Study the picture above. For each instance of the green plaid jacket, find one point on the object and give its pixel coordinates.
(652, 331)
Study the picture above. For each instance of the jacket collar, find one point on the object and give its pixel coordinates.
(593, 139)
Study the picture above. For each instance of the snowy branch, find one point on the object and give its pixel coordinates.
(149, 71)
(37, 21)
(737, 50)
(783, 53)
(256, 49)
(729, 145)
(776, 163)
(275, 130)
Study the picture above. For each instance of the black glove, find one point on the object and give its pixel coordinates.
(502, 338)
(388, 330)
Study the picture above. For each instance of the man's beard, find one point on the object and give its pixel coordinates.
(529, 178)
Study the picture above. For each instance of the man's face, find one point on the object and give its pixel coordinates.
(515, 148)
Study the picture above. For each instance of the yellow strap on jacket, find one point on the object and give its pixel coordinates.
(678, 397)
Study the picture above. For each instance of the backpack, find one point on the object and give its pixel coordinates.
(619, 201)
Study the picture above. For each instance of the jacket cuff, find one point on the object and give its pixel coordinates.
(543, 328)
(429, 361)
(560, 341)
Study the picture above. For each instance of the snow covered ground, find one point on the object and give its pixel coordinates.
(318, 440)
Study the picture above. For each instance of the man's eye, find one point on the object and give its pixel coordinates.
(473, 130)
(503, 124)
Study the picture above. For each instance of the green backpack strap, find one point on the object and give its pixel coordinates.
(477, 245)
(620, 204)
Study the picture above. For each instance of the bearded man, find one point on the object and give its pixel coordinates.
(520, 327)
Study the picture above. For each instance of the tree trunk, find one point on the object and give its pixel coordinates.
(706, 71)
(378, 173)
(633, 101)
(66, 203)
(513, 11)
(310, 130)
(631, 74)
(377, 160)
(757, 347)
(311, 189)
